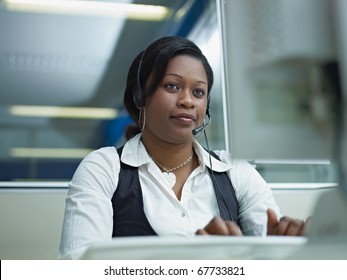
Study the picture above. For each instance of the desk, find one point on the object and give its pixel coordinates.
(324, 248)
(217, 247)
(199, 247)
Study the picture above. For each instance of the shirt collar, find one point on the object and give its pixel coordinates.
(135, 154)
(204, 158)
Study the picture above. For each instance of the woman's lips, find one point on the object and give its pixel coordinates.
(184, 118)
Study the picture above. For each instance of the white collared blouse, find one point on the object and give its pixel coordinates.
(89, 213)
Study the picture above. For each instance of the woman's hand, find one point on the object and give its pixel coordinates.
(218, 226)
(286, 225)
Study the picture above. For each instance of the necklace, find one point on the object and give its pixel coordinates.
(171, 177)
(175, 168)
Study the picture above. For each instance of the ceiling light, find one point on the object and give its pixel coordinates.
(49, 153)
(93, 8)
(63, 112)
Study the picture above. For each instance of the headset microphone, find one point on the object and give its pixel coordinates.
(202, 127)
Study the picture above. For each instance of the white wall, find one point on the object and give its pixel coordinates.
(30, 223)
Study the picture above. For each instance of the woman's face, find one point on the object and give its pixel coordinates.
(179, 103)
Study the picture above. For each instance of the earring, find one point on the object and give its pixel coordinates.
(142, 118)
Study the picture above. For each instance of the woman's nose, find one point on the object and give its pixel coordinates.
(186, 99)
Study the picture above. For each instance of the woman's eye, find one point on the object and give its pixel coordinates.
(172, 87)
(199, 92)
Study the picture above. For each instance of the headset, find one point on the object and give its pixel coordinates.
(197, 130)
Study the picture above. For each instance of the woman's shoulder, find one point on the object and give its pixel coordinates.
(97, 172)
(104, 159)
(103, 153)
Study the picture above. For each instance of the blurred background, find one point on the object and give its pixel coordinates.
(63, 66)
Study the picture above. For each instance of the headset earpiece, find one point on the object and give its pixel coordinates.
(208, 111)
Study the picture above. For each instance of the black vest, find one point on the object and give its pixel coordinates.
(129, 218)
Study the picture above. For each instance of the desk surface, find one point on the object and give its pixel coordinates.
(199, 247)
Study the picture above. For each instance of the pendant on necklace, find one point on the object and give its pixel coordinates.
(170, 178)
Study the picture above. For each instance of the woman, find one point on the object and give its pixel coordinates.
(162, 182)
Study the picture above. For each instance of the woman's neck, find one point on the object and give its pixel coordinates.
(167, 154)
